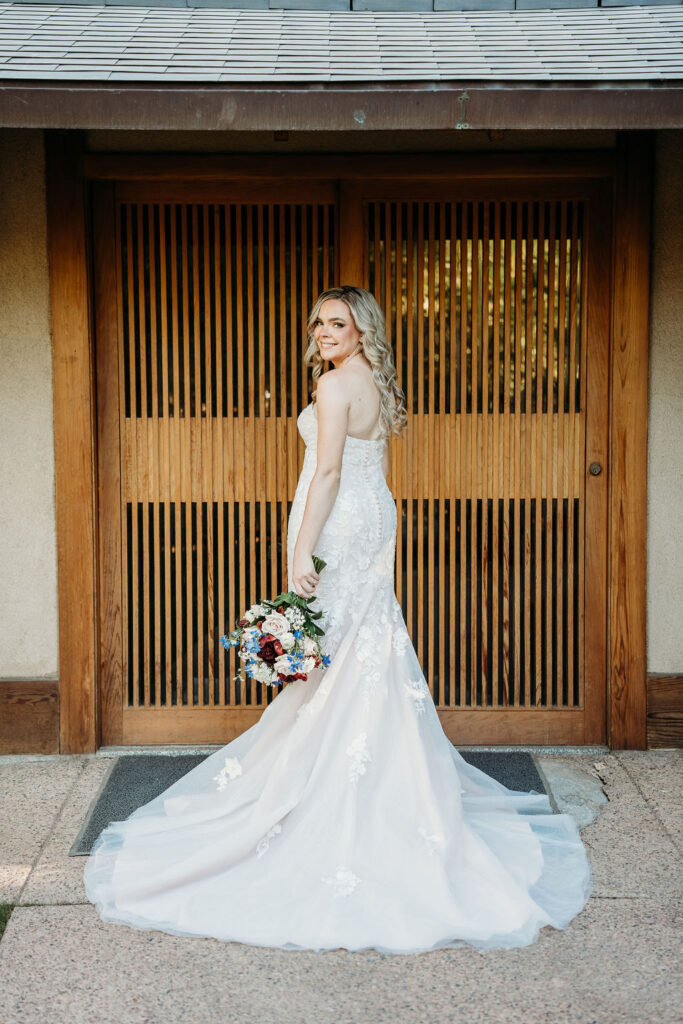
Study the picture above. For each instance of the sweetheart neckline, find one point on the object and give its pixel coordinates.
(349, 437)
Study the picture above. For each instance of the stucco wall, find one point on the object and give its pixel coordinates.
(28, 559)
(665, 448)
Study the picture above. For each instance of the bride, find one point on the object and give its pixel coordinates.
(345, 817)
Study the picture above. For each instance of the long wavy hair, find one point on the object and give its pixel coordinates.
(369, 320)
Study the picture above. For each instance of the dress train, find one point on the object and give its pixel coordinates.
(345, 817)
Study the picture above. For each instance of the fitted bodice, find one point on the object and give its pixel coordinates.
(357, 450)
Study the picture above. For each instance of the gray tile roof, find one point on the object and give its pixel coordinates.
(88, 42)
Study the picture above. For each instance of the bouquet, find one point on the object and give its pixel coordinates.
(278, 639)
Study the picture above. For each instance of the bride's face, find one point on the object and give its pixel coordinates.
(335, 333)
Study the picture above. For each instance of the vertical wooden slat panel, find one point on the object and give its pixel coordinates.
(303, 300)
(430, 483)
(177, 453)
(199, 483)
(548, 264)
(517, 486)
(241, 455)
(209, 474)
(444, 448)
(561, 477)
(134, 437)
(452, 454)
(252, 467)
(421, 465)
(399, 472)
(290, 383)
(538, 451)
(224, 625)
(573, 469)
(185, 495)
(463, 460)
(262, 438)
(165, 455)
(484, 457)
(228, 461)
(475, 446)
(410, 506)
(286, 438)
(272, 460)
(526, 246)
(127, 658)
(495, 449)
(144, 450)
(155, 482)
(505, 485)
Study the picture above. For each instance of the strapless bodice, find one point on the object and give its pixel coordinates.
(357, 450)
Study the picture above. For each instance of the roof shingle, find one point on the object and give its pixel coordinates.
(117, 43)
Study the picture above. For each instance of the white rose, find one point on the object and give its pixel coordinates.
(307, 665)
(275, 624)
(282, 665)
(288, 640)
(310, 646)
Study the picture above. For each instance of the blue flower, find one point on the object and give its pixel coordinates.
(326, 660)
(298, 633)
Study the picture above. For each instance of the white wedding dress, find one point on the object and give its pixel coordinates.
(345, 817)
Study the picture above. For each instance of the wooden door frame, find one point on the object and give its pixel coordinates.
(69, 171)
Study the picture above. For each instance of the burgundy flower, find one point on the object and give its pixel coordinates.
(271, 648)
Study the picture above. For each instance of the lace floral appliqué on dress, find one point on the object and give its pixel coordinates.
(343, 881)
(360, 755)
(231, 770)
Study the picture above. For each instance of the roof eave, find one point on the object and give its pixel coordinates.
(323, 106)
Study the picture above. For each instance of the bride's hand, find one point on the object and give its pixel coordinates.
(304, 576)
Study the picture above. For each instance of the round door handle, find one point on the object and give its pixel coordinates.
(595, 469)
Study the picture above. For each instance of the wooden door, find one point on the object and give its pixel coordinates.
(201, 303)
(202, 294)
(497, 301)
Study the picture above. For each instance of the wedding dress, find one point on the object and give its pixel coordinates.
(345, 817)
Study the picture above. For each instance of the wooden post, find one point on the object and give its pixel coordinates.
(628, 468)
(74, 434)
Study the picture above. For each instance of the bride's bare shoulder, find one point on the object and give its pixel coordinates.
(333, 388)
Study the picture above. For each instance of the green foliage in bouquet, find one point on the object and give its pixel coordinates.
(290, 599)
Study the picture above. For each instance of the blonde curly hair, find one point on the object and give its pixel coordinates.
(369, 320)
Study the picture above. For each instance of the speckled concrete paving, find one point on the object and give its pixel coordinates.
(616, 962)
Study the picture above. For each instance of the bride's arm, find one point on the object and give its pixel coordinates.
(333, 415)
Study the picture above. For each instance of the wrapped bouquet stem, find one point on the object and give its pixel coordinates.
(278, 640)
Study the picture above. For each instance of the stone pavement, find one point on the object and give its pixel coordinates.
(618, 961)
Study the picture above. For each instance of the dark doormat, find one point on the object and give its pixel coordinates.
(137, 778)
